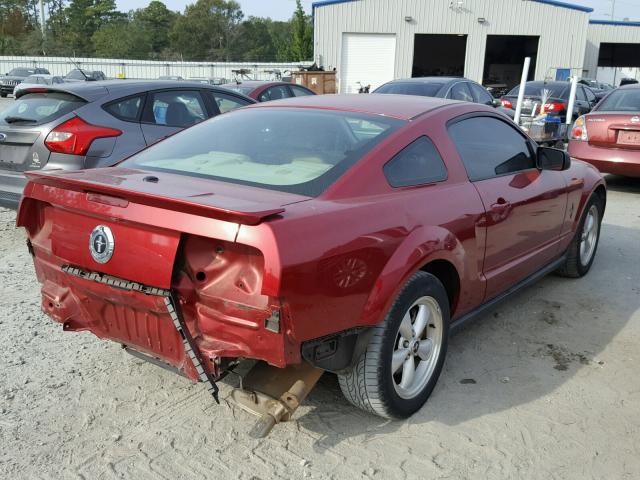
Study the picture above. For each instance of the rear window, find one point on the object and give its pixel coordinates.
(291, 150)
(239, 89)
(621, 101)
(22, 72)
(39, 108)
(536, 89)
(410, 88)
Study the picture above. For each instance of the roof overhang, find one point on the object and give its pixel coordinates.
(554, 3)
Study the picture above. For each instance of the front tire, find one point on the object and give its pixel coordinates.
(3, 95)
(583, 247)
(399, 369)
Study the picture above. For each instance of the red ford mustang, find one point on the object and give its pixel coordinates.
(609, 136)
(353, 233)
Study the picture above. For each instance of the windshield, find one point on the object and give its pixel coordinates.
(291, 150)
(21, 72)
(536, 89)
(38, 108)
(621, 101)
(411, 88)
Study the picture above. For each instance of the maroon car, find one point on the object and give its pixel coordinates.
(263, 91)
(348, 233)
(609, 136)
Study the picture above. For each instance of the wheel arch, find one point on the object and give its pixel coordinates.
(434, 250)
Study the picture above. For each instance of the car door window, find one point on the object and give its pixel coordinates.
(179, 108)
(460, 91)
(580, 94)
(480, 95)
(226, 102)
(127, 109)
(299, 91)
(274, 93)
(418, 164)
(490, 147)
(591, 97)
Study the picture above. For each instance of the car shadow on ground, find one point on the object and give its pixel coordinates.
(623, 184)
(524, 349)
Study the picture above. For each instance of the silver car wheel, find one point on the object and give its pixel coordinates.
(417, 347)
(589, 236)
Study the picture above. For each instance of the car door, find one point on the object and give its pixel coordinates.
(169, 111)
(525, 206)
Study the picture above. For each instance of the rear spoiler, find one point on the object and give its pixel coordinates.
(225, 208)
(86, 93)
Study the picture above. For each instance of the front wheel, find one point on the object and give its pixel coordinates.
(399, 369)
(583, 247)
(3, 95)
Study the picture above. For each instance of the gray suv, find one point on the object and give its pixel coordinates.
(97, 124)
(16, 76)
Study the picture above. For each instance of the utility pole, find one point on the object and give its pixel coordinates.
(613, 9)
(42, 22)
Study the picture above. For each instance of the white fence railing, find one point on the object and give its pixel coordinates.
(149, 69)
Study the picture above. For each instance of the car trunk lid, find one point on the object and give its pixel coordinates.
(147, 213)
(16, 153)
(620, 130)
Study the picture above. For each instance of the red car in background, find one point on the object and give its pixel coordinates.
(264, 91)
(353, 233)
(609, 136)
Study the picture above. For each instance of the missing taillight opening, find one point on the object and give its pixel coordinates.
(75, 136)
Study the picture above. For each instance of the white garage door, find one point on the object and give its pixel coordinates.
(368, 58)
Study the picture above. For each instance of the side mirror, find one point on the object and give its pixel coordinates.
(496, 103)
(552, 159)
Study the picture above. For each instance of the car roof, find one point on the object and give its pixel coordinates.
(91, 91)
(630, 86)
(429, 80)
(403, 107)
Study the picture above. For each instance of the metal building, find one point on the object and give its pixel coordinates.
(612, 46)
(374, 41)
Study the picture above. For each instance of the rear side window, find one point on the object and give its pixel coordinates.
(418, 164)
(127, 109)
(299, 91)
(480, 94)
(180, 108)
(226, 103)
(490, 147)
(460, 91)
(39, 108)
(274, 93)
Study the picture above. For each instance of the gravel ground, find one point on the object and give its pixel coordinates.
(545, 386)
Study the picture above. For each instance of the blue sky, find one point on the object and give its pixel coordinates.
(282, 9)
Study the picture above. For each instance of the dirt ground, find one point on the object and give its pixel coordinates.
(546, 386)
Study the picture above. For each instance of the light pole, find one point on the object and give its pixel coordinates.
(613, 9)
(42, 25)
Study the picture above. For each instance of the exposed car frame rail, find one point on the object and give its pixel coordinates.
(173, 309)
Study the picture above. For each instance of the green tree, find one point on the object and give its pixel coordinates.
(121, 39)
(157, 21)
(206, 30)
(302, 42)
(83, 19)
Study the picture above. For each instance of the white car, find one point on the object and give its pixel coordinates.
(37, 80)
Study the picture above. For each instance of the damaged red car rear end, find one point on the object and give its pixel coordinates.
(342, 234)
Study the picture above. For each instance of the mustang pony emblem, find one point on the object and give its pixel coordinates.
(101, 244)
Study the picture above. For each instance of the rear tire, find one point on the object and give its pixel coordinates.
(399, 369)
(583, 247)
(3, 95)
